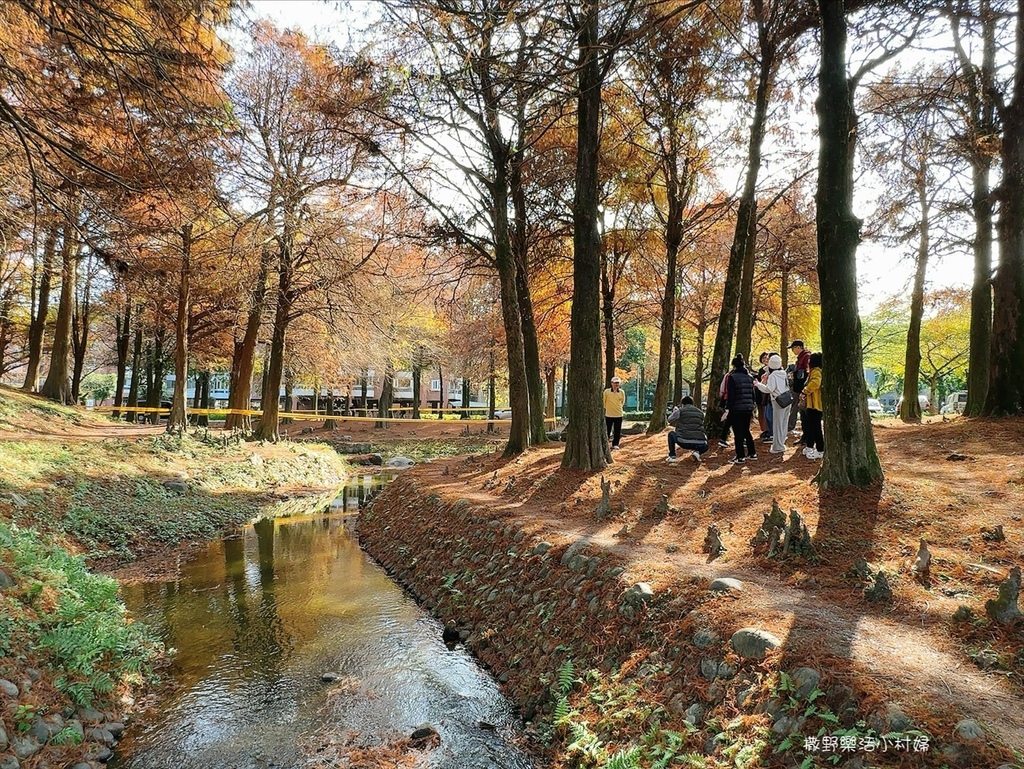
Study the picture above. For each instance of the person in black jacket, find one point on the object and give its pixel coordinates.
(688, 432)
(739, 400)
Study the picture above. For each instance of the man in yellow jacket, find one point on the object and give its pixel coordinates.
(614, 401)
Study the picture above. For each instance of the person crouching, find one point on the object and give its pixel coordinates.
(688, 431)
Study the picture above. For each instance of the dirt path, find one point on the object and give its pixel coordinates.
(909, 651)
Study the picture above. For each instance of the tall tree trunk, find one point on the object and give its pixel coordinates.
(518, 394)
(154, 395)
(745, 320)
(329, 423)
(549, 382)
(178, 420)
(465, 397)
(133, 388)
(80, 320)
(492, 397)
(784, 315)
(673, 239)
(677, 385)
(745, 227)
(6, 324)
(289, 395)
(57, 386)
(124, 337)
(640, 399)
(417, 368)
(851, 457)
(387, 395)
(37, 326)
(270, 423)
(203, 397)
(981, 128)
(364, 386)
(608, 320)
(910, 409)
(586, 446)
(1006, 369)
(244, 361)
(698, 371)
(531, 344)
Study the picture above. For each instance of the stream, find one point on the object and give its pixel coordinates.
(258, 617)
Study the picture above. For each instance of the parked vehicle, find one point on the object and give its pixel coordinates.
(954, 403)
(875, 406)
(923, 399)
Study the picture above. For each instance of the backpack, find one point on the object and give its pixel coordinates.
(800, 377)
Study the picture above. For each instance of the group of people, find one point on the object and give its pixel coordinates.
(776, 394)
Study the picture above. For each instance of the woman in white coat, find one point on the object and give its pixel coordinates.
(775, 384)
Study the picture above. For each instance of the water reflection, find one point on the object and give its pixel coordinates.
(258, 617)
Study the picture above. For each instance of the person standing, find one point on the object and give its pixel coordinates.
(776, 386)
(801, 372)
(739, 402)
(688, 423)
(811, 419)
(764, 403)
(614, 403)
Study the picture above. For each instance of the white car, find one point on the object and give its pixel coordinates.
(503, 414)
(875, 406)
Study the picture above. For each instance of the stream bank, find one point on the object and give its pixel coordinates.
(610, 672)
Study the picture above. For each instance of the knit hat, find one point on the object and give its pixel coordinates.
(774, 362)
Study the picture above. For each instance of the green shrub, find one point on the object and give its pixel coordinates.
(79, 626)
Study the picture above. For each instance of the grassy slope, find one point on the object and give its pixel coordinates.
(71, 490)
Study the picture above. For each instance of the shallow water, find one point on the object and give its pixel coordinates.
(257, 618)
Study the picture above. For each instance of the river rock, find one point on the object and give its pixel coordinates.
(968, 730)
(3, 738)
(541, 548)
(6, 580)
(82, 765)
(11, 690)
(574, 548)
(703, 638)
(330, 677)
(805, 680)
(753, 643)
(399, 463)
(39, 731)
(9, 762)
(638, 595)
(694, 714)
(25, 747)
(423, 732)
(90, 716)
(726, 584)
(176, 485)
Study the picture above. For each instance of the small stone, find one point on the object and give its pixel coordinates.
(785, 724)
(995, 534)
(703, 638)
(963, 614)
(423, 732)
(6, 581)
(399, 463)
(805, 680)
(116, 728)
(896, 720)
(16, 499)
(986, 659)
(25, 747)
(573, 549)
(11, 690)
(3, 738)
(638, 595)
(10, 762)
(540, 548)
(40, 731)
(743, 697)
(753, 643)
(330, 677)
(82, 765)
(178, 486)
(725, 584)
(90, 716)
(709, 668)
(968, 730)
(694, 714)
